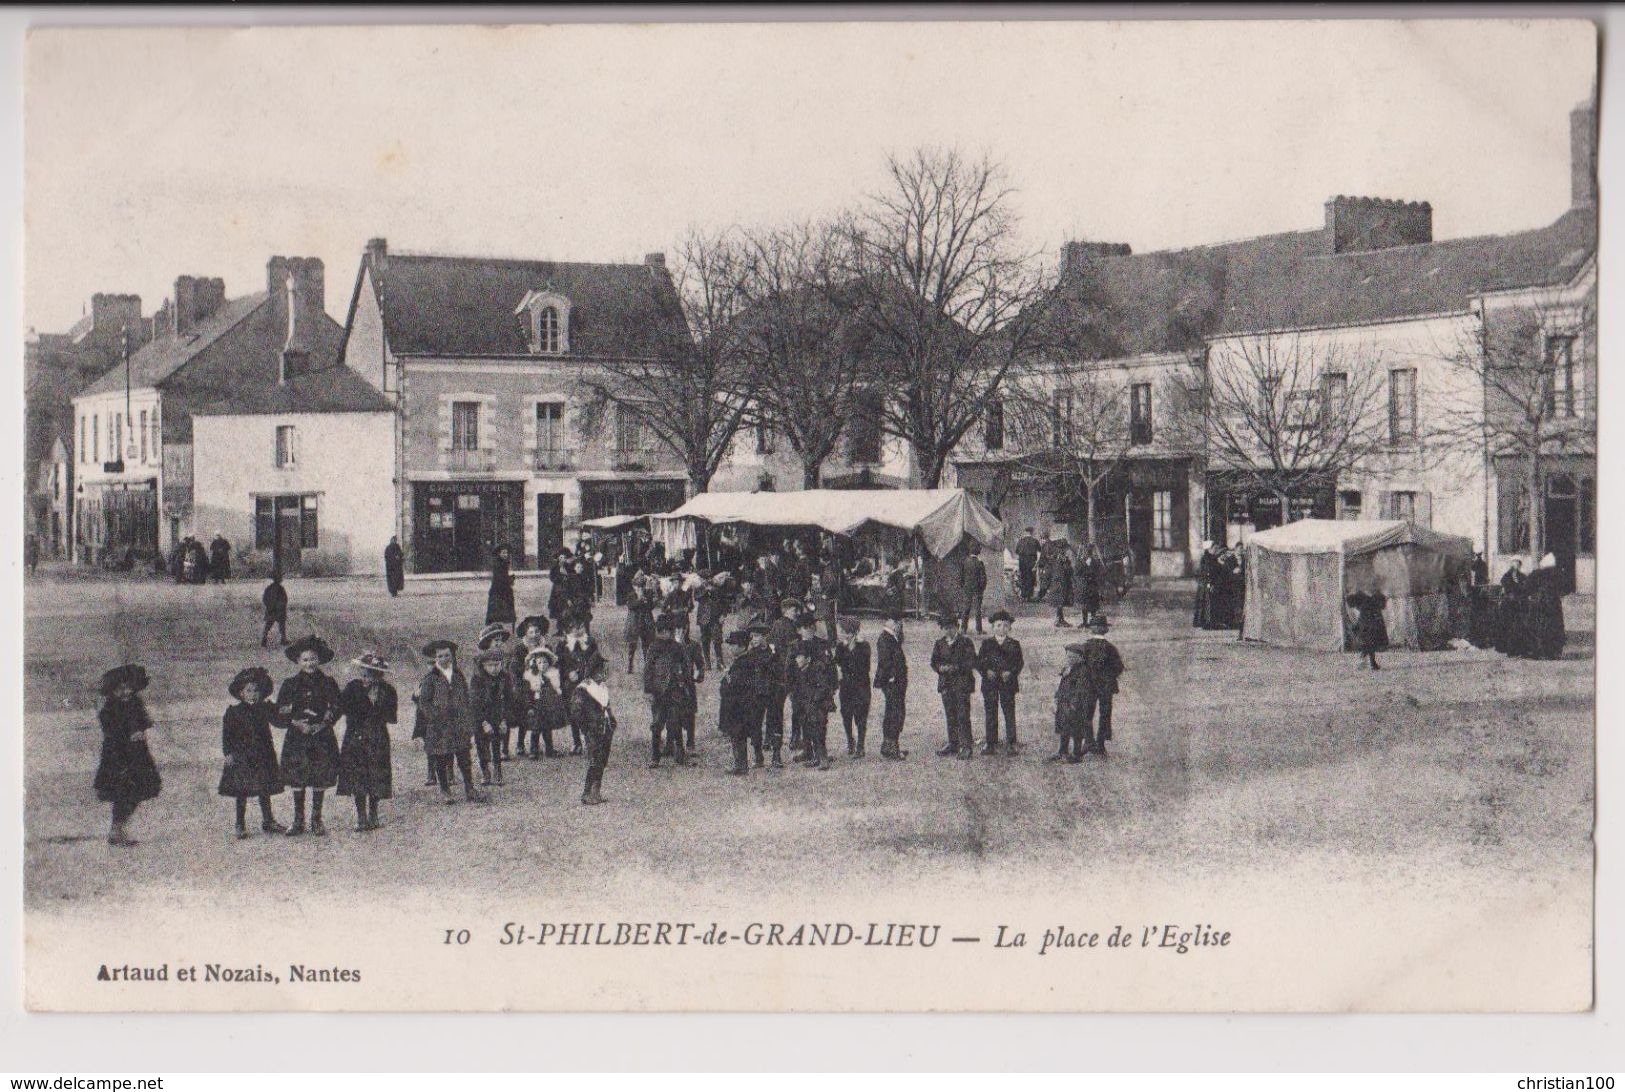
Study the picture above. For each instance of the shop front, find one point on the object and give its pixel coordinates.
(457, 525)
(118, 523)
(631, 498)
(1237, 507)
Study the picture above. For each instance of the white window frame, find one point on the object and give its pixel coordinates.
(286, 454)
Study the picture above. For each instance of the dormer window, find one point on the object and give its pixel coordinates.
(547, 317)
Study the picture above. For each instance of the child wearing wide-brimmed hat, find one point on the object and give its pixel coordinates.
(545, 700)
(126, 775)
(370, 706)
(307, 706)
(245, 738)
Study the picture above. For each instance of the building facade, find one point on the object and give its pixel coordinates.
(490, 365)
(132, 432)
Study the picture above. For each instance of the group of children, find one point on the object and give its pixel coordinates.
(525, 688)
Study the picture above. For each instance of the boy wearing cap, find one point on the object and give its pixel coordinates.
(812, 698)
(781, 637)
(693, 674)
(445, 721)
(973, 588)
(589, 710)
(491, 692)
(667, 679)
(953, 658)
(275, 601)
(1000, 663)
(852, 658)
(1071, 697)
(891, 679)
(746, 686)
(1101, 665)
(577, 655)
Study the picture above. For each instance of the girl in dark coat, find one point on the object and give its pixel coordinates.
(499, 600)
(370, 705)
(308, 706)
(126, 774)
(245, 738)
(1370, 631)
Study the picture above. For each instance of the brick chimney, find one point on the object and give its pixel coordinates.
(113, 312)
(378, 254)
(1376, 223)
(1583, 155)
(1076, 255)
(298, 287)
(196, 298)
(656, 260)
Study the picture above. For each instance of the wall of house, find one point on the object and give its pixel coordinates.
(746, 469)
(364, 350)
(508, 393)
(348, 459)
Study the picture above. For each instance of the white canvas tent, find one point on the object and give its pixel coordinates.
(941, 521)
(1299, 576)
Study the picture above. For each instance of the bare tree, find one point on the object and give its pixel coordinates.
(1519, 378)
(1287, 412)
(688, 391)
(799, 342)
(1069, 424)
(948, 301)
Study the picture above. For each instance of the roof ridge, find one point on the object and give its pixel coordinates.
(421, 256)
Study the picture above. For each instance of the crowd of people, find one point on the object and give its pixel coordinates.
(1050, 570)
(1525, 619)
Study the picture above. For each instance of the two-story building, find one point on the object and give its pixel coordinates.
(133, 447)
(489, 363)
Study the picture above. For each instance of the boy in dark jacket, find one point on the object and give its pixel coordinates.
(953, 658)
(999, 661)
(812, 699)
(668, 680)
(1102, 666)
(852, 658)
(491, 692)
(746, 685)
(275, 600)
(891, 679)
(710, 604)
(591, 715)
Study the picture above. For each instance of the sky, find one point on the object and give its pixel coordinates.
(155, 153)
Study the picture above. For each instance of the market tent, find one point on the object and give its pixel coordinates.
(613, 523)
(943, 517)
(1299, 576)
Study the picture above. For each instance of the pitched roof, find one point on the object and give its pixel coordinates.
(166, 354)
(444, 306)
(1167, 301)
(334, 389)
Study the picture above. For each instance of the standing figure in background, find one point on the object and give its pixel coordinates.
(743, 694)
(366, 769)
(973, 588)
(812, 699)
(1027, 550)
(710, 605)
(852, 658)
(590, 714)
(1060, 581)
(490, 692)
(1543, 610)
(126, 776)
(1088, 579)
(499, 599)
(578, 652)
(219, 559)
(1207, 587)
(394, 566)
(307, 706)
(666, 680)
(1102, 666)
(275, 601)
(640, 621)
(445, 719)
(1370, 631)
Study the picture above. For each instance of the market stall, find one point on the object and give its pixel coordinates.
(1299, 577)
(903, 548)
(619, 541)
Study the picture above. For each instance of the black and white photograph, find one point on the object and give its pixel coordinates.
(1047, 516)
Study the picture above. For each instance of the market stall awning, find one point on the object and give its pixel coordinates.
(943, 517)
(613, 523)
(1344, 536)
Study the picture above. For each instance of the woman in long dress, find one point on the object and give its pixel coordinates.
(1543, 612)
(499, 600)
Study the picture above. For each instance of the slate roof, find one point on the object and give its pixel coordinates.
(157, 360)
(445, 306)
(1170, 301)
(335, 389)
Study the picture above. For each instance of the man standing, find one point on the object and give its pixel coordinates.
(1102, 665)
(219, 559)
(667, 680)
(1027, 549)
(275, 601)
(953, 658)
(973, 587)
(781, 636)
(744, 691)
(1000, 663)
(891, 679)
(1060, 581)
(394, 566)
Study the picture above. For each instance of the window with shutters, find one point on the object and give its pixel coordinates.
(993, 426)
(1334, 397)
(1401, 505)
(287, 447)
(629, 431)
(465, 426)
(550, 427)
(1139, 418)
(1401, 405)
(1561, 397)
(548, 330)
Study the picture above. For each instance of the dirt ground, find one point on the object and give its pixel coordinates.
(1228, 757)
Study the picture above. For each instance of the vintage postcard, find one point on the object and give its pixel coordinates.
(1033, 516)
